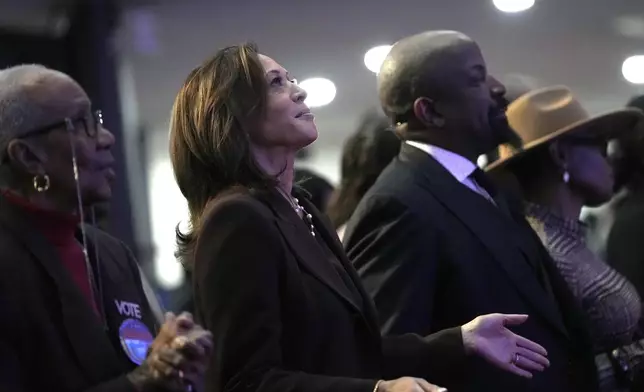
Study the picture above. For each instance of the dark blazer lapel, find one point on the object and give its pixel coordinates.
(454, 196)
(85, 333)
(329, 235)
(306, 248)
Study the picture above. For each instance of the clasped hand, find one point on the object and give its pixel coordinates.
(177, 357)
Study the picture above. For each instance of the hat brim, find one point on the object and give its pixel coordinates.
(609, 125)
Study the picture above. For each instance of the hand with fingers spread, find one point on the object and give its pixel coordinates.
(489, 337)
(177, 357)
(408, 384)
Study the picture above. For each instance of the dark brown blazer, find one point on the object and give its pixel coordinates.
(283, 317)
(50, 337)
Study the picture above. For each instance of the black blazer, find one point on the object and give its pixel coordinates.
(283, 318)
(50, 337)
(433, 254)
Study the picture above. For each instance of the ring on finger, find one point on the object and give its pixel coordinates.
(180, 342)
(515, 360)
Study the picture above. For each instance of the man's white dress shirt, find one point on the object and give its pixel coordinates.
(458, 166)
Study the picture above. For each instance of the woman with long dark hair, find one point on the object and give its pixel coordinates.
(272, 283)
(365, 155)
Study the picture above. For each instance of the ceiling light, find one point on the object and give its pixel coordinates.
(375, 56)
(319, 91)
(513, 5)
(633, 69)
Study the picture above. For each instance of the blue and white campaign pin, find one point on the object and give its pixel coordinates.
(135, 339)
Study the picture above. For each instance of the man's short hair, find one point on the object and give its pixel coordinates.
(404, 76)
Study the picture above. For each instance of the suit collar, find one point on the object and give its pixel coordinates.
(85, 333)
(470, 209)
(305, 247)
(329, 235)
(457, 165)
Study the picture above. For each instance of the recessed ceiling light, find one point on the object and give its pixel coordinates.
(319, 91)
(375, 56)
(513, 6)
(633, 69)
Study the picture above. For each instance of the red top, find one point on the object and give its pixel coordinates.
(60, 230)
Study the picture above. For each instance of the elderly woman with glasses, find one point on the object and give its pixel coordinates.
(74, 313)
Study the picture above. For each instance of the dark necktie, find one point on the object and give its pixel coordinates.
(484, 182)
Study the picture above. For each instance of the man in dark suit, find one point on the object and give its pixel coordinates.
(435, 243)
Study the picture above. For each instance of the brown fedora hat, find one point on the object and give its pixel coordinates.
(546, 114)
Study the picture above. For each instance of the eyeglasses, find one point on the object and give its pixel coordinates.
(91, 122)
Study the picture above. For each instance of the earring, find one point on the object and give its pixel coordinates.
(41, 182)
(566, 176)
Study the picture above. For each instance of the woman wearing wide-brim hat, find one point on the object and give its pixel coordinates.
(561, 168)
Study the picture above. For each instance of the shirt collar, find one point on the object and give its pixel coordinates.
(460, 167)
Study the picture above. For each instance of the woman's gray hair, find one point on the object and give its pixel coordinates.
(20, 110)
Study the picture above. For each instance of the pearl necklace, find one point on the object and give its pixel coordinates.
(308, 218)
(299, 210)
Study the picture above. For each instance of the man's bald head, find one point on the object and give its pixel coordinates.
(436, 85)
(414, 68)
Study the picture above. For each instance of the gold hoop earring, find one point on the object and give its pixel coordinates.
(41, 182)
